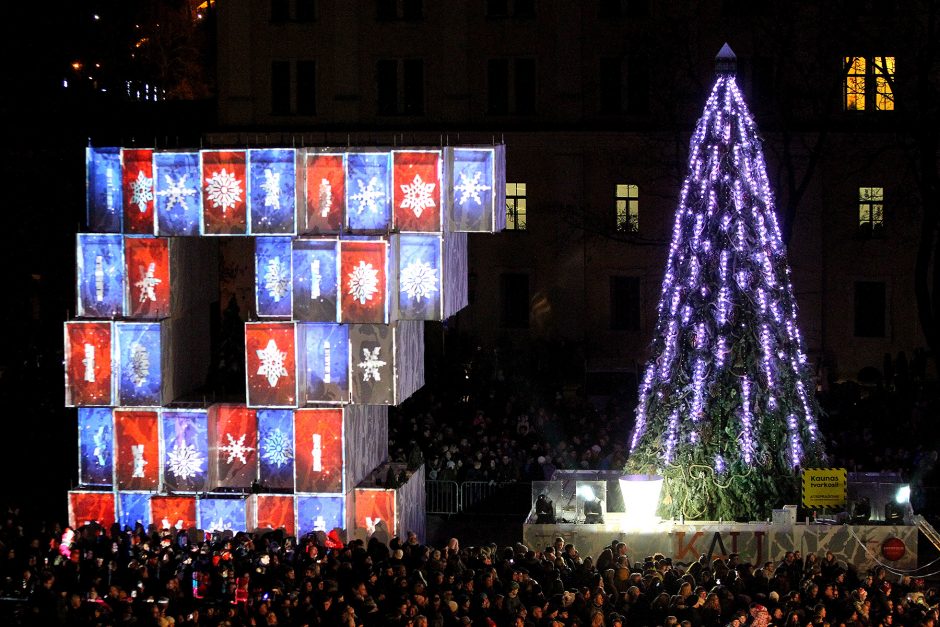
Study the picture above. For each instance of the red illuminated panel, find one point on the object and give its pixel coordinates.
(271, 364)
(363, 281)
(148, 276)
(136, 449)
(137, 181)
(233, 433)
(177, 512)
(416, 181)
(373, 505)
(88, 363)
(325, 193)
(318, 450)
(276, 511)
(224, 195)
(85, 507)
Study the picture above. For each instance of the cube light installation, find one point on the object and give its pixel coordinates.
(353, 249)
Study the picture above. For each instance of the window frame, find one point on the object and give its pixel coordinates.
(871, 201)
(868, 83)
(513, 209)
(627, 208)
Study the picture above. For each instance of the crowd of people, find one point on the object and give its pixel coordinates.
(137, 577)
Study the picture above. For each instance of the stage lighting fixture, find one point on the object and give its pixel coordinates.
(544, 510)
(861, 511)
(894, 513)
(903, 495)
(593, 512)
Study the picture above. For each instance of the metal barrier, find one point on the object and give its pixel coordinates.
(443, 497)
(479, 497)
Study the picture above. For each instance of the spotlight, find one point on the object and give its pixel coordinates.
(586, 492)
(544, 510)
(903, 495)
(861, 511)
(593, 512)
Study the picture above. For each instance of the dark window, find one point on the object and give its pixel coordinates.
(387, 80)
(386, 10)
(306, 10)
(497, 86)
(619, 8)
(524, 8)
(609, 8)
(870, 304)
(525, 86)
(624, 303)
(514, 300)
(280, 10)
(497, 8)
(611, 85)
(412, 10)
(762, 83)
(638, 86)
(413, 87)
(306, 87)
(280, 87)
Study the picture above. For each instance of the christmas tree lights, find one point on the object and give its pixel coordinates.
(724, 412)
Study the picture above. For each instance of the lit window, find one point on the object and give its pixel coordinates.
(628, 208)
(871, 209)
(515, 206)
(869, 84)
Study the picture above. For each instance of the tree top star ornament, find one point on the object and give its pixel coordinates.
(726, 412)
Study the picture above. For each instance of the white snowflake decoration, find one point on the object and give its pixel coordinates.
(223, 190)
(89, 362)
(272, 188)
(370, 364)
(219, 525)
(141, 191)
(277, 448)
(272, 363)
(185, 461)
(101, 448)
(276, 280)
(419, 280)
(325, 199)
(363, 282)
(140, 364)
(148, 283)
(471, 188)
(236, 448)
(369, 195)
(418, 196)
(137, 451)
(176, 192)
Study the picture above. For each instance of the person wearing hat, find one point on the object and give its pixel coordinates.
(513, 602)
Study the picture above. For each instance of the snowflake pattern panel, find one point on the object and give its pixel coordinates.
(147, 266)
(87, 507)
(224, 192)
(368, 198)
(273, 511)
(103, 190)
(100, 270)
(133, 508)
(273, 284)
(473, 183)
(373, 350)
(276, 448)
(315, 273)
(222, 515)
(173, 512)
(419, 277)
(325, 192)
(137, 179)
(95, 445)
(324, 367)
(185, 450)
(233, 446)
(363, 280)
(271, 364)
(136, 450)
(138, 366)
(88, 363)
(177, 191)
(318, 443)
(272, 191)
(373, 505)
(416, 181)
(320, 513)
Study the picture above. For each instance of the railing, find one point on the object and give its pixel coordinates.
(478, 497)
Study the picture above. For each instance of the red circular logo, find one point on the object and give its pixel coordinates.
(893, 549)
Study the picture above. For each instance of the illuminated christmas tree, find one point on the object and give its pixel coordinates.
(726, 411)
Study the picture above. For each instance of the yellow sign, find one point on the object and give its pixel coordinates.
(823, 487)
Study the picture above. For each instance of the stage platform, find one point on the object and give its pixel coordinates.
(863, 546)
